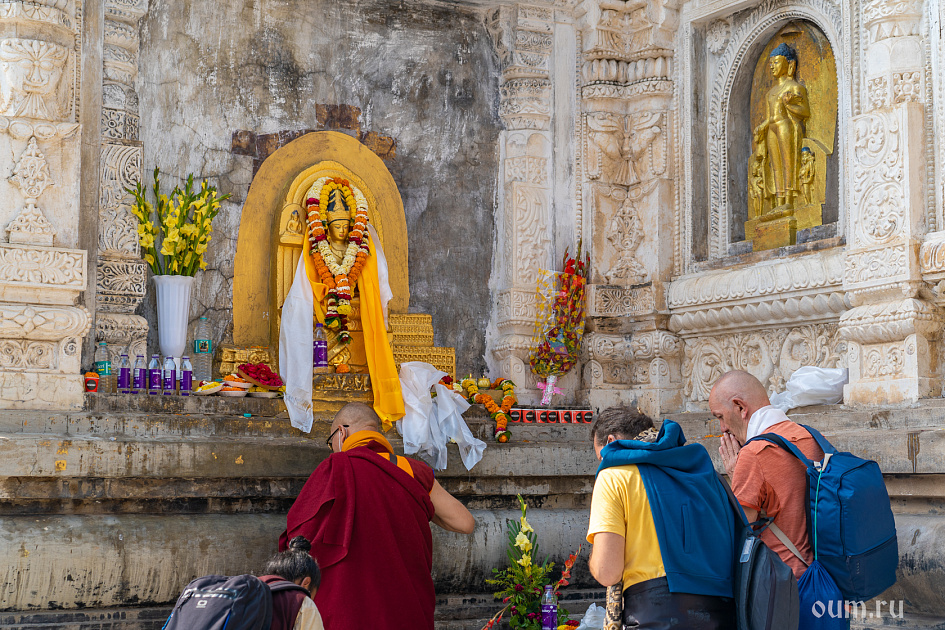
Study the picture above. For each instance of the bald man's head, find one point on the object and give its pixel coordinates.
(733, 400)
(358, 417)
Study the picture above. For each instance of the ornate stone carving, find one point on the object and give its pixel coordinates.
(24, 128)
(517, 309)
(608, 301)
(123, 333)
(717, 36)
(30, 321)
(878, 264)
(624, 150)
(31, 72)
(124, 278)
(59, 268)
(626, 233)
(878, 93)
(890, 321)
(31, 176)
(22, 354)
(773, 280)
(891, 18)
(907, 86)
(50, 13)
(770, 355)
(121, 168)
(877, 178)
(640, 359)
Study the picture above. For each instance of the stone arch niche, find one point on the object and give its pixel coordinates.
(272, 226)
(728, 98)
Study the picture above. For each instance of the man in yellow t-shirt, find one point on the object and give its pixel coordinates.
(623, 532)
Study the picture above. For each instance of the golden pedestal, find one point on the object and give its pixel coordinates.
(771, 234)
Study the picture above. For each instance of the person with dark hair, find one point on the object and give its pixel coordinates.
(293, 609)
(662, 524)
(367, 512)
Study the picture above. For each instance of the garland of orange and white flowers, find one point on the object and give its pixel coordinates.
(340, 278)
(499, 413)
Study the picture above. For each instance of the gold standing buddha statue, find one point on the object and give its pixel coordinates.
(778, 140)
(338, 229)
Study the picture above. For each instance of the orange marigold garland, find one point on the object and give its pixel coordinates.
(340, 278)
(499, 413)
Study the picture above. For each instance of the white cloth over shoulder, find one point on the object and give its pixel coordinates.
(429, 423)
(308, 618)
(296, 337)
(764, 419)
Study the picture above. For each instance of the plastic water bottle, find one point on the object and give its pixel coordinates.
(186, 376)
(139, 377)
(203, 351)
(549, 609)
(104, 367)
(124, 375)
(320, 348)
(154, 375)
(170, 376)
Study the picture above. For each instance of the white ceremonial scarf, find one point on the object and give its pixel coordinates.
(382, 273)
(763, 419)
(296, 338)
(298, 320)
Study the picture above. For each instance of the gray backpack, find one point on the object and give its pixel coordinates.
(766, 595)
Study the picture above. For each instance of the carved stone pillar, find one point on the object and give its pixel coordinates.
(626, 182)
(121, 275)
(41, 272)
(892, 331)
(524, 38)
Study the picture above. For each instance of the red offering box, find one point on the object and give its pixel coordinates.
(575, 416)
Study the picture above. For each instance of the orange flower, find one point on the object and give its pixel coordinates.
(342, 368)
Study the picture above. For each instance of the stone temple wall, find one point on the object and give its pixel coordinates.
(421, 75)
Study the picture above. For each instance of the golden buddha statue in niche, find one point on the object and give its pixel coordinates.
(340, 347)
(793, 126)
(779, 138)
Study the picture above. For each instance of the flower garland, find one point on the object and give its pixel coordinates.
(499, 413)
(340, 278)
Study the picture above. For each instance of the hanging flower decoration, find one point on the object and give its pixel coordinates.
(560, 324)
(499, 413)
(340, 277)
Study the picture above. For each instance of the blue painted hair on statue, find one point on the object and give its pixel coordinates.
(783, 50)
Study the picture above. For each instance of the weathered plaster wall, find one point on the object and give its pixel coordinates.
(421, 74)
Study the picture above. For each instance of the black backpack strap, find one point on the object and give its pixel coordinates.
(285, 585)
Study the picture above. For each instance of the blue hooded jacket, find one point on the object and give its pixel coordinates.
(695, 524)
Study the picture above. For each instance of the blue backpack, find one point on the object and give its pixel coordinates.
(849, 518)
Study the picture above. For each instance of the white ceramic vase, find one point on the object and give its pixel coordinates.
(173, 305)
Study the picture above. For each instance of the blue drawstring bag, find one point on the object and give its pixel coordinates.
(821, 601)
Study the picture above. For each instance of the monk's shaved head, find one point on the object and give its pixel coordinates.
(358, 417)
(733, 400)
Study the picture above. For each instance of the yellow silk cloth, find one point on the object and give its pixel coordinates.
(363, 438)
(385, 383)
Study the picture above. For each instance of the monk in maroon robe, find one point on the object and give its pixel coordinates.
(367, 512)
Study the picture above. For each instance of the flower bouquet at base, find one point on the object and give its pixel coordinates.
(559, 326)
(175, 234)
(522, 583)
(498, 412)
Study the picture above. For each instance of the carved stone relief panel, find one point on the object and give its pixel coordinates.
(31, 79)
(121, 169)
(770, 355)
